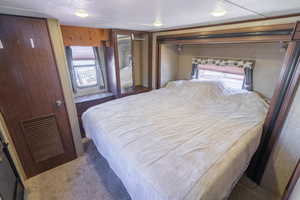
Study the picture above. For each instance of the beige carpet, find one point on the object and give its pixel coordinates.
(90, 178)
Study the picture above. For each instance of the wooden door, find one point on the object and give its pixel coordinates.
(31, 97)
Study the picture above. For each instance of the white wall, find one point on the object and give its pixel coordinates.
(169, 63)
(296, 191)
(268, 59)
(286, 152)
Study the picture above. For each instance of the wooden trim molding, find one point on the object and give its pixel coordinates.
(296, 33)
(150, 56)
(235, 40)
(254, 29)
(270, 33)
(292, 182)
(158, 65)
(280, 105)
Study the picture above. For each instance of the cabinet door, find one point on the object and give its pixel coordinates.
(31, 100)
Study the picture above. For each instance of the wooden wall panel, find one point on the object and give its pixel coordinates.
(83, 36)
(298, 27)
(296, 35)
(83, 106)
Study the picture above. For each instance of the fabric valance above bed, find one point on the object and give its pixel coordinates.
(228, 62)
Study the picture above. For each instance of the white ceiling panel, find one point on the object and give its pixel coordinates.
(126, 14)
(138, 14)
(270, 8)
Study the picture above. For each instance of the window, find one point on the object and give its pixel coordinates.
(230, 80)
(86, 70)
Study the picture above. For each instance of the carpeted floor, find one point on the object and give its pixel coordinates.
(89, 177)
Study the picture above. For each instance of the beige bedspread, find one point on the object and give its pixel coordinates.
(190, 140)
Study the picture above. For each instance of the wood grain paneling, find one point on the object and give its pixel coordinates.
(83, 36)
(83, 106)
(270, 33)
(297, 36)
(236, 40)
(298, 27)
(29, 88)
(136, 90)
(254, 29)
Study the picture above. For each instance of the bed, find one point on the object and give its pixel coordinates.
(190, 140)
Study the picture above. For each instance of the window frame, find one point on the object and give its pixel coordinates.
(221, 72)
(100, 71)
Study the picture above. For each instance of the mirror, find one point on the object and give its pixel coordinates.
(125, 62)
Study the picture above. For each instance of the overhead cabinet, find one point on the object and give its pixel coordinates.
(83, 36)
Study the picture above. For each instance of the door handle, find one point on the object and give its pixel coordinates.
(59, 103)
(1, 47)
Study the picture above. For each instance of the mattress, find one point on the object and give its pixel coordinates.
(190, 140)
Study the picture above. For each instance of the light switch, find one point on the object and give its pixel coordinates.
(1, 45)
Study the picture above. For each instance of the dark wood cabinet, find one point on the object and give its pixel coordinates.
(83, 36)
(32, 100)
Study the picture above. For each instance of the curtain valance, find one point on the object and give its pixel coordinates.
(224, 62)
(229, 63)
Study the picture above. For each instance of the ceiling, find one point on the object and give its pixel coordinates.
(141, 14)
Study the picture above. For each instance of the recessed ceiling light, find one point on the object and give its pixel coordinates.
(218, 12)
(81, 13)
(157, 23)
(219, 9)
